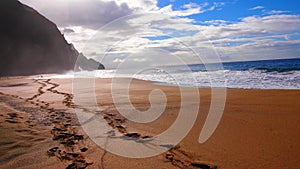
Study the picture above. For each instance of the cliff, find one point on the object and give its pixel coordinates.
(31, 44)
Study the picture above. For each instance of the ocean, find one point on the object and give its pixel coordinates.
(265, 74)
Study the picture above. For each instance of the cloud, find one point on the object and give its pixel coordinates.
(94, 14)
(216, 22)
(68, 30)
(79, 37)
(186, 12)
(276, 12)
(87, 13)
(190, 5)
(138, 5)
(256, 8)
(191, 9)
(139, 59)
(251, 38)
(287, 37)
(254, 25)
(155, 36)
(118, 60)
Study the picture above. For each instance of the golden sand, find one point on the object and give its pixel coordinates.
(38, 127)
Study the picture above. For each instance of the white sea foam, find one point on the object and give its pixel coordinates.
(247, 79)
(233, 79)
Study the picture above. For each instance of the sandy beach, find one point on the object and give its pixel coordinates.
(39, 128)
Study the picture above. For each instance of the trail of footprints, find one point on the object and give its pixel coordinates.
(117, 122)
(71, 147)
(68, 97)
(64, 133)
(176, 156)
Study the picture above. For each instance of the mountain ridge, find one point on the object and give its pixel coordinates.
(32, 44)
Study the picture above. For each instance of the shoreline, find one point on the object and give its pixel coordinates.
(158, 83)
(259, 127)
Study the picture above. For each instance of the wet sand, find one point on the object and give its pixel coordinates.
(39, 129)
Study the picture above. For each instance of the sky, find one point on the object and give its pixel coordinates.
(170, 32)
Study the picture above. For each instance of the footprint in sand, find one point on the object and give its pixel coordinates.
(13, 118)
(181, 159)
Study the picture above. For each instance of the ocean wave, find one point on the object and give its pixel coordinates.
(280, 70)
(249, 79)
(246, 79)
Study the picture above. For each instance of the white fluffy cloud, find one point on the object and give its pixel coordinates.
(254, 25)
(252, 38)
(191, 9)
